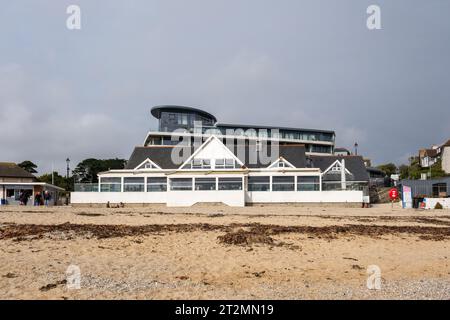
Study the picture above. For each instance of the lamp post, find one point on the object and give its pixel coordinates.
(356, 148)
(68, 169)
(67, 179)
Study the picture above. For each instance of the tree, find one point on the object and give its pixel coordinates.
(28, 166)
(58, 180)
(404, 171)
(388, 168)
(87, 170)
(415, 171)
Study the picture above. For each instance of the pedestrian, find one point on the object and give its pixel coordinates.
(25, 198)
(37, 199)
(21, 197)
(47, 197)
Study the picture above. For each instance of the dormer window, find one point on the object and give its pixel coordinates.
(281, 164)
(336, 168)
(225, 164)
(147, 165)
(201, 164)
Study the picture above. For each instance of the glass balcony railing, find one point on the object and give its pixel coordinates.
(86, 187)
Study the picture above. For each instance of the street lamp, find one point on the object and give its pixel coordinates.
(68, 168)
(356, 148)
(67, 180)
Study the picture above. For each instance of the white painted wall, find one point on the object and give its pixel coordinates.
(117, 197)
(430, 203)
(446, 159)
(233, 198)
(305, 196)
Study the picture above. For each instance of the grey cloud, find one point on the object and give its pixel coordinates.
(310, 63)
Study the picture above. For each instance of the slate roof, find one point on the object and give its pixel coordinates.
(12, 170)
(295, 154)
(354, 164)
(162, 156)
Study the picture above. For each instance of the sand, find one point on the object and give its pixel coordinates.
(219, 252)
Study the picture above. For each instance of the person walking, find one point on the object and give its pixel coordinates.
(47, 198)
(25, 198)
(21, 197)
(37, 199)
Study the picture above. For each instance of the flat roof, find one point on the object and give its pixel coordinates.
(156, 111)
(230, 125)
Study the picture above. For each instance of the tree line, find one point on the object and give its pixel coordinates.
(413, 170)
(85, 172)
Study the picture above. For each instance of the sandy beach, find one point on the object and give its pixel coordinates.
(219, 252)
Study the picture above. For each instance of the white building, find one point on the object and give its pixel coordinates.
(429, 157)
(238, 175)
(445, 156)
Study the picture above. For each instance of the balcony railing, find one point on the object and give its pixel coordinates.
(86, 187)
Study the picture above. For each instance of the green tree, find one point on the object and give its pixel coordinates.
(87, 170)
(388, 168)
(28, 166)
(58, 180)
(415, 171)
(404, 171)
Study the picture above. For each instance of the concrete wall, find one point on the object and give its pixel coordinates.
(446, 159)
(305, 197)
(233, 198)
(236, 198)
(430, 203)
(117, 197)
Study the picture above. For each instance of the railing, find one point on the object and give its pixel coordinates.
(86, 187)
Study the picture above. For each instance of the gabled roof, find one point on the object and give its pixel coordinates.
(446, 144)
(12, 170)
(162, 156)
(428, 153)
(354, 164)
(205, 144)
(294, 154)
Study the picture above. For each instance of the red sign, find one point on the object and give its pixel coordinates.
(393, 193)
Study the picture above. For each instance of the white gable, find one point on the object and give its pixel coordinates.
(147, 164)
(281, 163)
(215, 149)
(212, 149)
(336, 167)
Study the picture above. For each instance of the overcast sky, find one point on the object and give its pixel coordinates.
(311, 64)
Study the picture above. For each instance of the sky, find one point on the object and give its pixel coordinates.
(310, 64)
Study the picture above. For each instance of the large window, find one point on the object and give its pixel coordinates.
(205, 183)
(181, 184)
(156, 184)
(308, 183)
(283, 183)
(133, 184)
(110, 184)
(230, 183)
(258, 183)
(225, 164)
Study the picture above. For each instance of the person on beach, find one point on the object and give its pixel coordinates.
(47, 198)
(25, 198)
(37, 199)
